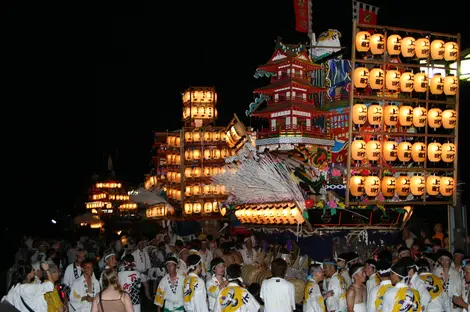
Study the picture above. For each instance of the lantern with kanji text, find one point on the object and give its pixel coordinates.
(376, 78)
(361, 77)
(391, 115)
(359, 114)
(434, 152)
(404, 151)
(392, 80)
(432, 185)
(356, 185)
(374, 114)
(451, 51)
(417, 185)
(362, 41)
(390, 150)
(377, 44)
(373, 150)
(388, 186)
(394, 44)
(437, 49)
(436, 85)
(435, 117)
(418, 152)
(450, 85)
(449, 119)
(447, 186)
(448, 152)
(408, 47)
(358, 149)
(419, 117)
(403, 186)
(372, 186)
(421, 82)
(422, 47)
(407, 82)
(406, 116)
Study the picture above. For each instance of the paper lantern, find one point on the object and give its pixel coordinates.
(432, 185)
(361, 77)
(358, 149)
(435, 117)
(417, 185)
(447, 186)
(421, 82)
(450, 85)
(359, 114)
(449, 119)
(390, 150)
(374, 114)
(362, 41)
(437, 49)
(418, 152)
(372, 186)
(394, 44)
(408, 47)
(434, 151)
(419, 117)
(436, 85)
(376, 78)
(407, 82)
(448, 152)
(422, 47)
(451, 51)
(377, 44)
(406, 116)
(392, 80)
(391, 115)
(404, 151)
(388, 186)
(356, 185)
(373, 150)
(403, 186)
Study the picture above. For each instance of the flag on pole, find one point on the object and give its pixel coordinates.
(303, 15)
(365, 13)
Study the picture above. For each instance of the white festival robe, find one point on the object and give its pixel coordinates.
(72, 272)
(372, 281)
(247, 258)
(234, 298)
(452, 288)
(32, 294)
(142, 263)
(206, 258)
(436, 292)
(79, 290)
(466, 293)
(194, 292)
(168, 296)
(213, 290)
(375, 297)
(344, 273)
(417, 283)
(401, 298)
(313, 299)
(131, 283)
(337, 302)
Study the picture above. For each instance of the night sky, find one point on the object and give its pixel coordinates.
(83, 82)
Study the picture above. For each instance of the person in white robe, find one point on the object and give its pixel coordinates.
(182, 257)
(376, 295)
(450, 278)
(206, 258)
(110, 261)
(464, 300)
(278, 293)
(434, 287)
(235, 297)
(373, 280)
(73, 271)
(249, 254)
(129, 279)
(341, 262)
(194, 289)
(169, 295)
(157, 261)
(142, 265)
(337, 285)
(401, 297)
(84, 289)
(216, 282)
(313, 298)
(415, 282)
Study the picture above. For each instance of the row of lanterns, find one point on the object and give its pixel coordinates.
(282, 213)
(150, 182)
(206, 171)
(204, 207)
(173, 141)
(393, 80)
(405, 115)
(207, 154)
(407, 47)
(98, 205)
(118, 197)
(108, 185)
(200, 111)
(196, 190)
(159, 211)
(206, 136)
(128, 206)
(403, 151)
(402, 186)
(99, 196)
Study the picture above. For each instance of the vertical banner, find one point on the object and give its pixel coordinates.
(302, 18)
(364, 13)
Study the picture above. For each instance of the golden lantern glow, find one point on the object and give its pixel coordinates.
(451, 51)
(435, 117)
(419, 117)
(404, 151)
(359, 116)
(188, 208)
(406, 116)
(376, 78)
(188, 137)
(417, 185)
(223, 211)
(407, 82)
(390, 150)
(432, 185)
(362, 41)
(436, 85)
(361, 77)
(358, 149)
(373, 150)
(421, 82)
(394, 44)
(356, 185)
(422, 47)
(450, 85)
(388, 186)
(434, 151)
(437, 49)
(372, 186)
(197, 207)
(448, 152)
(392, 80)
(196, 154)
(374, 114)
(447, 186)
(408, 47)
(391, 115)
(403, 186)
(449, 119)
(418, 152)
(208, 207)
(377, 44)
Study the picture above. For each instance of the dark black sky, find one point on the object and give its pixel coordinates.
(84, 81)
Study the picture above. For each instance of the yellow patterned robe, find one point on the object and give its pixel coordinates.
(169, 296)
(234, 298)
(401, 298)
(194, 294)
(375, 297)
(337, 302)
(313, 299)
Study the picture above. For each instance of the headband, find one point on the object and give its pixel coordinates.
(193, 267)
(353, 259)
(406, 250)
(370, 264)
(357, 271)
(384, 271)
(171, 261)
(458, 253)
(329, 262)
(109, 255)
(213, 267)
(397, 273)
(340, 259)
(317, 269)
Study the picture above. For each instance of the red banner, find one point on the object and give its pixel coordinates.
(367, 17)
(301, 15)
